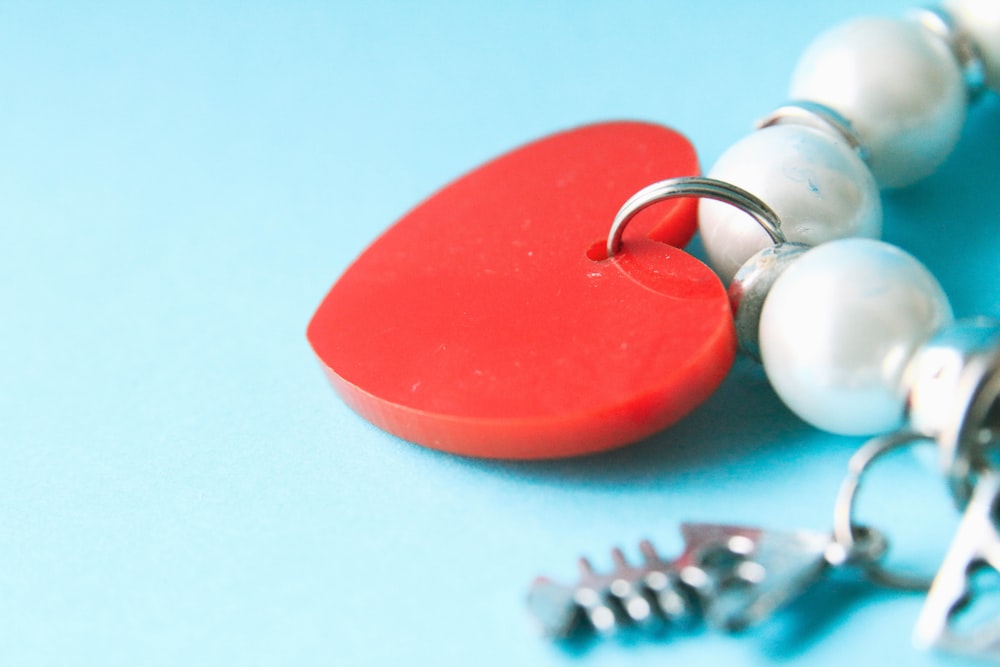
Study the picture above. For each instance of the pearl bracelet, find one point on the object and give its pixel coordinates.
(856, 336)
(878, 102)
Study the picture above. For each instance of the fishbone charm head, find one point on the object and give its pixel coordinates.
(745, 574)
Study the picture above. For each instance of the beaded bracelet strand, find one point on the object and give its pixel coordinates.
(855, 335)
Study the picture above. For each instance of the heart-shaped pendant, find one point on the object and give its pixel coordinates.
(489, 322)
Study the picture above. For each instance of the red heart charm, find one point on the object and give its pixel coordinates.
(487, 322)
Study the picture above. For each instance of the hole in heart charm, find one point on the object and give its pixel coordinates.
(488, 321)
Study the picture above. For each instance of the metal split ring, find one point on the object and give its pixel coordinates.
(694, 186)
(852, 537)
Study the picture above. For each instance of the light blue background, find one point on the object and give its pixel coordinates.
(179, 186)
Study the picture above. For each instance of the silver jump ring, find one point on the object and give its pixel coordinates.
(846, 532)
(694, 186)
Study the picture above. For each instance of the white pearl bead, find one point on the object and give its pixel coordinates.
(980, 20)
(897, 83)
(838, 328)
(814, 181)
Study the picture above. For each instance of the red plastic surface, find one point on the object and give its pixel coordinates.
(478, 324)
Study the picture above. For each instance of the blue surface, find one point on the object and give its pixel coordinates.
(179, 186)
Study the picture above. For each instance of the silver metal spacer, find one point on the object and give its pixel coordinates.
(939, 22)
(749, 289)
(817, 116)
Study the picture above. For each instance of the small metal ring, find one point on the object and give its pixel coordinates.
(846, 531)
(694, 186)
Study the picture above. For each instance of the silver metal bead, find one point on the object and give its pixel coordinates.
(749, 289)
(966, 51)
(819, 117)
(953, 396)
(979, 22)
